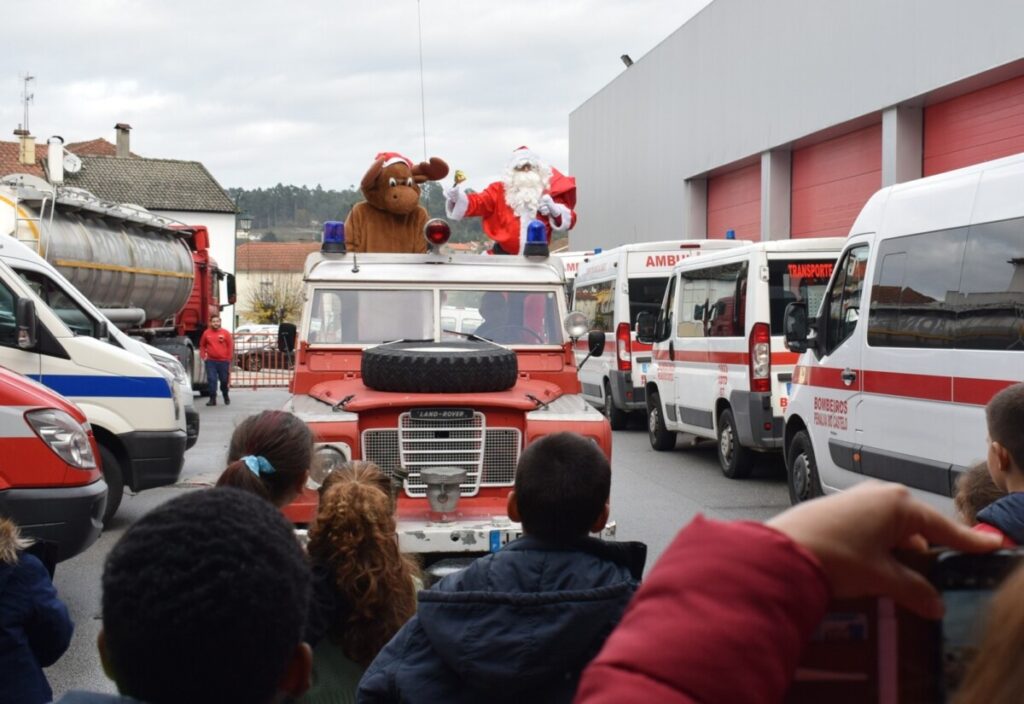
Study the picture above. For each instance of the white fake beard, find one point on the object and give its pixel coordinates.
(523, 190)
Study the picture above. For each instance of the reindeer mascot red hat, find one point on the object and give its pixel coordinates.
(391, 218)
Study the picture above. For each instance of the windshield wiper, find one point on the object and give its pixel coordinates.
(469, 336)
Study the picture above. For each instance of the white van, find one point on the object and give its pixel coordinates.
(83, 318)
(571, 266)
(720, 368)
(131, 403)
(922, 323)
(611, 289)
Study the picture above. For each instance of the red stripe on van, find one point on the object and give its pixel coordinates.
(740, 358)
(927, 387)
(977, 392)
(922, 386)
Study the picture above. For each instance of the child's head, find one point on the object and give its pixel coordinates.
(205, 600)
(1005, 416)
(974, 491)
(563, 482)
(270, 455)
(354, 537)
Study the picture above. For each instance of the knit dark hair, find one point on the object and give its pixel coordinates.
(1005, 416)
(562, 484)
(284, 440)
(205, 600)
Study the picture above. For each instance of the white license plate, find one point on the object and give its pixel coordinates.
(643, 367)
(502, 537)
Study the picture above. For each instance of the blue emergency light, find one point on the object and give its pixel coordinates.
(730, 234)
(536, 246)
(334, 237)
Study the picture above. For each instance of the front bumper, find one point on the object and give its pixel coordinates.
(468, 537)
(756, 424)
(191, 425)
(70, 516)
(624, 394)
(155, 458)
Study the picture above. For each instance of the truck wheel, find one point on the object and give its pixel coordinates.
(617, 417)
(453, 366)
(802, 470)
(661, 438)
(112, 475)
(736, 460)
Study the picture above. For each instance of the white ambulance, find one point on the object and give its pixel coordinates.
(922, 323)
(720, 368)
(571, 266)
(131, 403)
(611, 289)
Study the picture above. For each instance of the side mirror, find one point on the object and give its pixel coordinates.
(232, 296)
(795, 327)
(646, 322)
(25, 320)
(595, 343)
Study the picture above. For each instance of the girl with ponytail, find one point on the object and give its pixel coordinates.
(269, 455)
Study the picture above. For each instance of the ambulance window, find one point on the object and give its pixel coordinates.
(914, 292)
(990, 304)
(597, 302)
(845, 297)
(645, 295)
(66, 308)
(8, 327)
(712, 301)
(795, 280)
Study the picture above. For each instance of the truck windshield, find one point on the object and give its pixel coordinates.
(507, 317)
(370, 316)
(796, 280)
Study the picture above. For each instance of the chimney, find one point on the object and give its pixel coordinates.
(27, 147)
(122, 139)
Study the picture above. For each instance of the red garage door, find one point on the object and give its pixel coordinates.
(832, 180)
(976, 127)
(734, 203)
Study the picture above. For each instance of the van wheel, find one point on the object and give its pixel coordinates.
(802, 470)
(112, 475)
(661, 438)
(616, 417)
(736, 460)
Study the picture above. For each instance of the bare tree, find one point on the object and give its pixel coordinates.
(276, 298)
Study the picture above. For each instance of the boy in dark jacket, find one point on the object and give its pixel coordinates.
(1005, 417)
(522, 623)
(35, 628)
(205, 601)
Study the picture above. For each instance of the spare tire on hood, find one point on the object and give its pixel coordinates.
(452, 366)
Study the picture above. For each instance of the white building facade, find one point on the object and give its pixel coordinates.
(779, 119)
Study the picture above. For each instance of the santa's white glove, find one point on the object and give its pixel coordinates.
(455, 202)
(558, 215)
(547, 206)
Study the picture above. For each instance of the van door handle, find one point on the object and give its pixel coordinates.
(848, 376)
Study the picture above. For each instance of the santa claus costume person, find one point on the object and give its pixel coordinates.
(525, 193)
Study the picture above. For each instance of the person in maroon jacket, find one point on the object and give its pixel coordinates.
(217, 349)
(727, 610)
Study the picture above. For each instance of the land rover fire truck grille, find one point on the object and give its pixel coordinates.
(489, 455)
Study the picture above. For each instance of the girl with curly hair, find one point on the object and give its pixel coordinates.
(367, 588)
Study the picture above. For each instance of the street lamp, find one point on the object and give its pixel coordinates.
(245, 223)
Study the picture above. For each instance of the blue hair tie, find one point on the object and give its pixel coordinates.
(258, 464)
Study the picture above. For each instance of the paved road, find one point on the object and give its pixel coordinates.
(653, 495)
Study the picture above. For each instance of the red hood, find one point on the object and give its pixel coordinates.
(365, 398)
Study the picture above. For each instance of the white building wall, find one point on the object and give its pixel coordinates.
(746, 76)
(222, 244)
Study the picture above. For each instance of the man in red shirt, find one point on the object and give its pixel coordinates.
(217, 349)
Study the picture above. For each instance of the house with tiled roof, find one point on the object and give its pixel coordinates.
(259, 265)
(181, 190)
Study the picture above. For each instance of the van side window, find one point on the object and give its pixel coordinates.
(597, 302)
(913, 300)
(712, 301)
(8, 326)
(990, 303)
(844, 298)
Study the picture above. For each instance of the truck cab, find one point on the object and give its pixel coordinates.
(381, 375)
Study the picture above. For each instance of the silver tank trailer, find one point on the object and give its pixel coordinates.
(118, 265)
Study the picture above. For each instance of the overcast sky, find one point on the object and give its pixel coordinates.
(308, 91)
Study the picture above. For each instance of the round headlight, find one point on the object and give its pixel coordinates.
(575, 324)
(325, 460)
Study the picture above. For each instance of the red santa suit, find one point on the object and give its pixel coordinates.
(501, 223)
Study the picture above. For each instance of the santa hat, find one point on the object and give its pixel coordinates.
(522, 156)
(392, 158)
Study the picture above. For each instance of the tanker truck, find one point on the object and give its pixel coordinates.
(151, 277)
